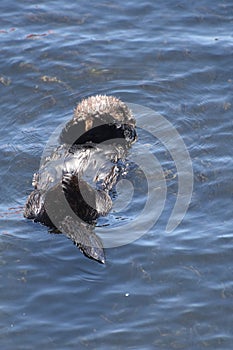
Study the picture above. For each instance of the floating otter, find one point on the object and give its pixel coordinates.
(73, 185)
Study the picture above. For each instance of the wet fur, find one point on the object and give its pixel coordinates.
(95, 140)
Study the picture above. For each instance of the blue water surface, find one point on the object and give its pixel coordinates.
(164, 290)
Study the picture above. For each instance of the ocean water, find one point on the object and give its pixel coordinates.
(164, 290)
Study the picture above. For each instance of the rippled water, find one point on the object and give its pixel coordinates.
(165, 290)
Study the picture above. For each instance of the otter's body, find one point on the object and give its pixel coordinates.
(71, 188)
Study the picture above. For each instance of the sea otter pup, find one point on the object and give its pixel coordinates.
(73, 185)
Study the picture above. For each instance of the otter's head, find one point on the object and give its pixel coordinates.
(100, 118)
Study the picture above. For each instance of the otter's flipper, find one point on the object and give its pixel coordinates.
(84, 237)
(85, 201)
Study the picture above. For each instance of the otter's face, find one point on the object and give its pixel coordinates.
(100, 118)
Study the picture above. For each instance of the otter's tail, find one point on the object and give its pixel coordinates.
(83, 235)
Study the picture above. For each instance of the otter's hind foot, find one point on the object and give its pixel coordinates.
(83, 235)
